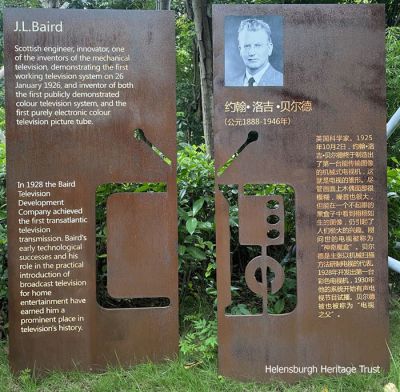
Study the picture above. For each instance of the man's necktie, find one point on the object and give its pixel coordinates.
(251, 81)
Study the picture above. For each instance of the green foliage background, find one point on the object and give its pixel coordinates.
(196, 228)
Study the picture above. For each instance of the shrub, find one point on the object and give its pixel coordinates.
(200, 343)
(393, 194)
(196, 227)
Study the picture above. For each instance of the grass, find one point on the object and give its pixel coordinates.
(174, 376)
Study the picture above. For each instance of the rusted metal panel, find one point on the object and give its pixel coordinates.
(253, 220)
(138, 250)
(322, 132)
(87, 156)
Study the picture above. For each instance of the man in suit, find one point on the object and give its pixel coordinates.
(255, 48)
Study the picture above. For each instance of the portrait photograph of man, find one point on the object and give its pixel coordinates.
(253, 51)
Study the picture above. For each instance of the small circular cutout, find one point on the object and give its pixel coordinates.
(273, 219)
(272, 204)
(273, 234)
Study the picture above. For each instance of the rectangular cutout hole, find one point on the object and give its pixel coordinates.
(104, 299)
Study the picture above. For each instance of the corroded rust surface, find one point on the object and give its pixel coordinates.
(334, 60)
(143, 233)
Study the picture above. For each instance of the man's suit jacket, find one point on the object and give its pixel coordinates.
(271, 77)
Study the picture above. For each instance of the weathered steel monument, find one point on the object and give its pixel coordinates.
(79, 84)
(299, 94)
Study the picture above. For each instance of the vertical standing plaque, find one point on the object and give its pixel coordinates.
(314, 119)
(78, 85)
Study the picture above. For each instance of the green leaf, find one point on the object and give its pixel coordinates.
(279, 306)
(182, 213)
(182, 193)
(197, 205)
(240, 309)
(196, 253)
(205, 226)
(191, 225)
(181, 250)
